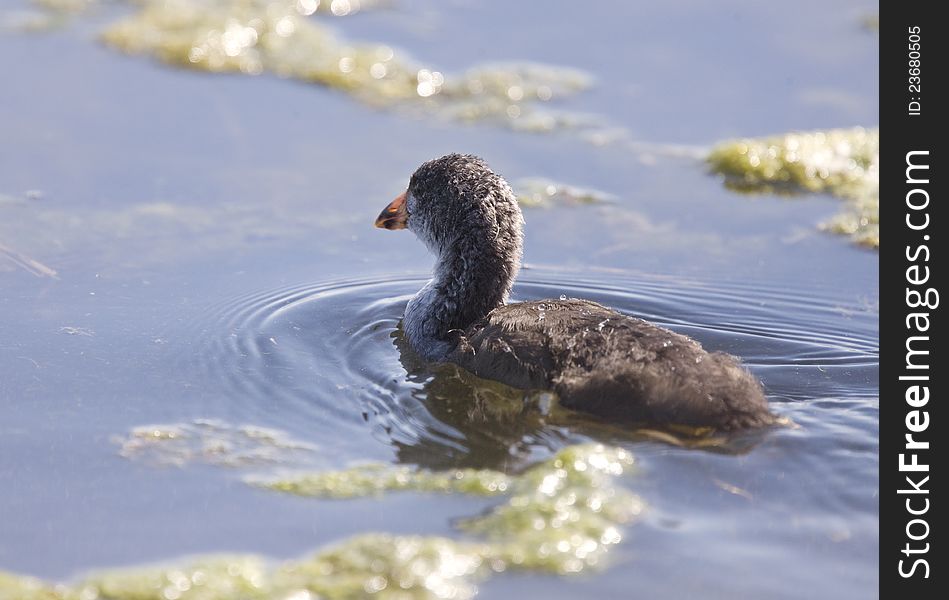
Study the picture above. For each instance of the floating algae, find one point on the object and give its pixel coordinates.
(49, 14)
(15, 587)
(66, 6)
(206, 578)
(390, 567)
(212, 442)
(841, 162)
(384, 566)
(257, 36)
(539, 192)
(336, 8)
(561, 516)
(564, 514)
(372, 479)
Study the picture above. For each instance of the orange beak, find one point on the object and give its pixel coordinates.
(394, 216)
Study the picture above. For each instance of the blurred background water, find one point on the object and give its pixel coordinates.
(179, 245)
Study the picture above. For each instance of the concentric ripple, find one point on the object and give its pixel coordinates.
(325, 358)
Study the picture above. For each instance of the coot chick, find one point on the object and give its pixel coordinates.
(595, 359)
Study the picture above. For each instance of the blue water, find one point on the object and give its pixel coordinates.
(191, 217)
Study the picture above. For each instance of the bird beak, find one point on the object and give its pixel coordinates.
(394, 216)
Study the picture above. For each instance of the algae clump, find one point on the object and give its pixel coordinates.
(373, 479)
(209, 578)
(561, 516)
(842, 162)
(15, 587)
(278, 36)
(390, 567)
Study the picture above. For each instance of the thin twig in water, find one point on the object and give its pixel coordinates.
(33, 266)
(733, 489)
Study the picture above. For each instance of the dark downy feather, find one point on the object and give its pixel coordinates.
(612, 365)
(597, 360)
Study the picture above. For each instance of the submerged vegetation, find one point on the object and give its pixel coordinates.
(539, 192)
(212, 442)
(560, 516)
(842, 162)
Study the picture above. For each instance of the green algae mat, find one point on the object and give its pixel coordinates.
(844, 163)
(560, 516)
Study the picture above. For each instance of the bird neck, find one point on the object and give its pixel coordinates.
(468, 282)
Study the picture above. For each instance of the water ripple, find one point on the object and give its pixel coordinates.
(323, 358)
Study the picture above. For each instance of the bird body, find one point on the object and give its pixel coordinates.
(595, 359)
(612, 365)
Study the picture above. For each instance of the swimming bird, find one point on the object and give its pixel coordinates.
(597, 360)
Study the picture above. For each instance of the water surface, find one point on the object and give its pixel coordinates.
(214, 258)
